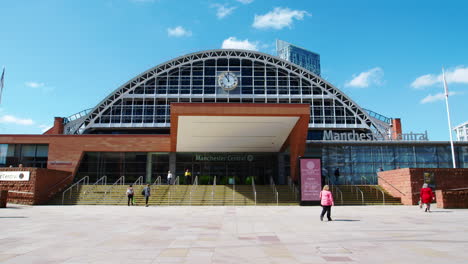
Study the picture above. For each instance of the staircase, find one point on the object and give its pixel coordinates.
(363, 195)
(200, 195)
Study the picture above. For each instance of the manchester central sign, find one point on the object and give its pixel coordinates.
(353, 136)
(221, 157)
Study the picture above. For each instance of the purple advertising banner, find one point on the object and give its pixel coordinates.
(311, 179)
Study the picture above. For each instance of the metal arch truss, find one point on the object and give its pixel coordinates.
(88, 121)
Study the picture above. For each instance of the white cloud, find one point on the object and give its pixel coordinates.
(15, 120)
(436, 97)
(44, 128)
(223, 10)
(364, 79)
(456, 75)
(178, 31)
(278, 18)
(34, 84)
(39, 86)
(245, 2)
(233, 43)
(425, 80)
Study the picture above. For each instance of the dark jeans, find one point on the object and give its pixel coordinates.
(130, 199)
(147, 197)
(326, 209)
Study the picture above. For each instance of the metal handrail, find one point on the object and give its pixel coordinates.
(213, 190)
(338, 189)
(119, 181)
(293, 188)
(102, 179)
(157, 181)
(51, 188)
(383, 194)
(174, 183)
(194, 186)
(233, 189)
(366, 181)
(84, 179)
(391, 185)
(296, 191)
(362, 194)
(139, 181)
(275, 192)
(254, 190)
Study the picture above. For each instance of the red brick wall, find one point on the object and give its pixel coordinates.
(452, 199)
(58, 127)
(397, 183)
(65, 151)
(406, 183)
(396, 128)
(42, 185)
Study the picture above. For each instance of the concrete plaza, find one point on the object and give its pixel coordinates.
(121, 234)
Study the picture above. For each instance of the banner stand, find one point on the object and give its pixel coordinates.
(310, 180)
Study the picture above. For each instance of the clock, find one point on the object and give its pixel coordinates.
(228, 81)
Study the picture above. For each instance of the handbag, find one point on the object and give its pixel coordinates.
(143, 192)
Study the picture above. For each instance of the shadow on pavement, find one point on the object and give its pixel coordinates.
(345, 220)
(2, 217)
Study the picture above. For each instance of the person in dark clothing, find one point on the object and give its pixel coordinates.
(130, 193)
(147, 193)
(337, 174)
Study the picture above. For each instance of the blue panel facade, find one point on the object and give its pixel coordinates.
(359, 163)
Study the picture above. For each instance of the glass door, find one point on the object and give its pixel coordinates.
(159, 166)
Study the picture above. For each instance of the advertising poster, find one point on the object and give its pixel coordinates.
(311, 179)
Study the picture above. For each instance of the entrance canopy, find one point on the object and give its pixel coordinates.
(233, 133)
(221, 127)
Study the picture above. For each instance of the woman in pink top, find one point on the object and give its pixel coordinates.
(326, 200)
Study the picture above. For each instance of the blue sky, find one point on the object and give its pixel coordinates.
(64, 56)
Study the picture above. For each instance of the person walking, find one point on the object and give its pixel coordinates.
(326, 200)
(337, 174)
(130, 193)
(188, 176)
(147, 193)
(427, 196)
(169, 177)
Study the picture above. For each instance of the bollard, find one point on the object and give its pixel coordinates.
(3, 198)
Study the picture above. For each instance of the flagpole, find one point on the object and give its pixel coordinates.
(2, 83)
(448, 116)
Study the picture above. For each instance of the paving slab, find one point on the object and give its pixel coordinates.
(219, 234)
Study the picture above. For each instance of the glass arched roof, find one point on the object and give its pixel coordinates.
(144, 101)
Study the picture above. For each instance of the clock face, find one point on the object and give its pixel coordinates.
(228, 81)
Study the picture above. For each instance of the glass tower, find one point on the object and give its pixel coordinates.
(298, 56)
(462, 132)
